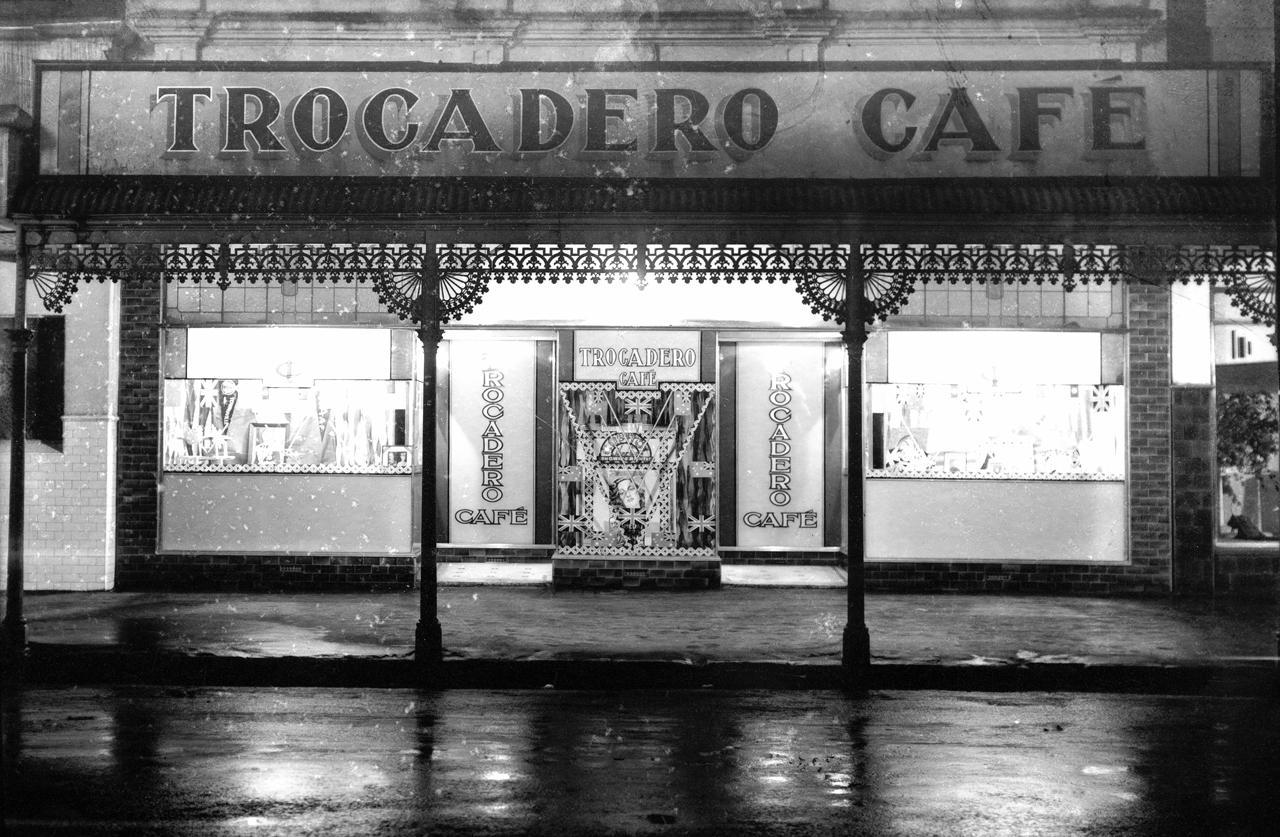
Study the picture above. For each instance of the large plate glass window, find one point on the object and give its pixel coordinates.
(999, 405)
(1247, 437)
(288, 400)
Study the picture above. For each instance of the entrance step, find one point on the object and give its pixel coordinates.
(608, 571)
(628, 571)
(780, 575)
(500, 573)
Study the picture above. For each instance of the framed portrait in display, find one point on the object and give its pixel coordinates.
(267, 443)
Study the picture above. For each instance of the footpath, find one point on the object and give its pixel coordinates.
(503, 635)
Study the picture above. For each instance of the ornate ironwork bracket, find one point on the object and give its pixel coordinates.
(58, 270)
(817, 271)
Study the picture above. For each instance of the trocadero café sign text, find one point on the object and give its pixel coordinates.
(650, 124)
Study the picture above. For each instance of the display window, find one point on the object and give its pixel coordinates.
(997, 405)
(1248, 439)
(286, 401)
(636, 469)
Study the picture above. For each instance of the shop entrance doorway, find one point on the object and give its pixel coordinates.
(637, 475)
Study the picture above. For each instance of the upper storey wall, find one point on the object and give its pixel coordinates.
(493, 31)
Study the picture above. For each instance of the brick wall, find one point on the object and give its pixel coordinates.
(220, 571)
(828, 558)
(630, 573)
(1150, 413)
(1193, 490)
(1247, 573)
(978, 577)
(494, 554)
(138, 448)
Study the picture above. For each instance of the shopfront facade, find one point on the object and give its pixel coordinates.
(658, 291)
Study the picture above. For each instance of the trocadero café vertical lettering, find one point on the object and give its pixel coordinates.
(491, 439)
(887, 122)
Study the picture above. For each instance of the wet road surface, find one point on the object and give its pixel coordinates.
(138, 760)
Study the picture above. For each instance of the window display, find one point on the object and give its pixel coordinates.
(1046, 431)
(636, 470)
(331, 427)
(1248, 434)
(257, 400)
(998, 405)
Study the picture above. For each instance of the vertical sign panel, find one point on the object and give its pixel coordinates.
(780, 407)
(491, 441)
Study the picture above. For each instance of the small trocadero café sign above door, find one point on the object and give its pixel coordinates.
(659, 123)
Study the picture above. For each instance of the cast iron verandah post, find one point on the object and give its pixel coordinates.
(857, 641)
(15, 625)
(428, 644)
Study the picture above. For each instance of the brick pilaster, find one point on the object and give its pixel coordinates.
(138, 445)
(1193, 490)
(1150, 416)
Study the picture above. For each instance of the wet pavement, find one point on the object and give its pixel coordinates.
(794, 633)
(141, 761)
(734, 624)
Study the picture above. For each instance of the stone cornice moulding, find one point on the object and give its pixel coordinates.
(1030, 23)
(77, 30)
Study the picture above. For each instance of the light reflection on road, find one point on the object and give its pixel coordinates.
(346, 761)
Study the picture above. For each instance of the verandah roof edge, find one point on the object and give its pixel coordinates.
(80, 198)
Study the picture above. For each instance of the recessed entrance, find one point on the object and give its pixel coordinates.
(636, 475)
(636, 485)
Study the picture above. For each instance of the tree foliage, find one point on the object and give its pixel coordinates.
(1248, 432)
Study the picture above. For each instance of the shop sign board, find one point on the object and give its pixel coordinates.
(661, 123)
(780, 444)
(637, 359)
(491, 441)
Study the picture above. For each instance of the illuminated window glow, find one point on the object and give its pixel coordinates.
(627, 304)
(287, 401)
(995, 404)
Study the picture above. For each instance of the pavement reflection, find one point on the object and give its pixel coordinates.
(287, 761)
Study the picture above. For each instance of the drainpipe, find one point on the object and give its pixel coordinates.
(15, 626)
(857, 641)
(428, 645)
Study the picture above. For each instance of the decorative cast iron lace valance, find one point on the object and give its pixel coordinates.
(819, 272)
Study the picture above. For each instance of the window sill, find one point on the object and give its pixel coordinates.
(210, 468)
(1246, 547)
(990, 476)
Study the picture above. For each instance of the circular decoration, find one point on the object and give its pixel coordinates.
(55, 289)
(886, 294)
(400, 292)
(1255, 295)
(824, 293)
